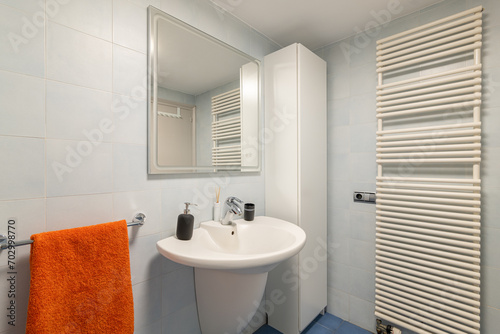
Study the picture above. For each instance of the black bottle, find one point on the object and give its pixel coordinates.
(185, 224)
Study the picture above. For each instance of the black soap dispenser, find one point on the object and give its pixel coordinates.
(185, 224)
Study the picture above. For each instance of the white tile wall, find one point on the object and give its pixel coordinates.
(129, 72)
(128, 204)
(361, 312)
(362, 79)
(73, 112)
(22, 41)
(30, 6)
(88, 16)
(337, 142)
(338, 116)
(490, 211)
(362, 254)
(491, 291)
(492, 78)
(130, 168)
(339, 166)
(153, 328)
(22, 116)
(338, 276)
(22, 169)
(338, 303)
(73, 119)
(147, 302)
(489, 319)
(361, 223)
(361, 109)
(338, 86)
(77, 211)
(363, 167)
(490, 239)
(130, 25)
(77, 58)
(360, 284)
(362, 137)
(178, 290)
(182, 322)
(129, 123)
(145, 261)
(78, 167)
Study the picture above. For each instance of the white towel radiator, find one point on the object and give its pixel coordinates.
(226, 129)
(428, 182)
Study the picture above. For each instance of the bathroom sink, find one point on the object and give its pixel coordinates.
(233, 258)
(258, 245)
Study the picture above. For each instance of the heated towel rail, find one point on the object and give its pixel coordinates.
(226, 129)
(428, 181)
(138, 220)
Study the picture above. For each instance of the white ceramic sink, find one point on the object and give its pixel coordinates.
(231, 263)
(258, 245)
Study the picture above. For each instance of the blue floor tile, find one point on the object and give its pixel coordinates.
(348, 328)
(330, 321)
(317, 317)
(326, 324)
(316, 328)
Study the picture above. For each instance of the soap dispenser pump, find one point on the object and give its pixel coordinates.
(185, 224)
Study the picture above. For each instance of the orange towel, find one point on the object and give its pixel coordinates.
(80, 281)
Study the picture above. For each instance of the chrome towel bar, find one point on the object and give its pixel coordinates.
(138, 220)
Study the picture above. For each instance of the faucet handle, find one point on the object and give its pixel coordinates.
(233, 199)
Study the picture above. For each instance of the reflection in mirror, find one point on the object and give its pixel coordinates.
(203, 114)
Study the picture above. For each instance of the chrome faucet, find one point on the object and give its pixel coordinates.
(233, 205)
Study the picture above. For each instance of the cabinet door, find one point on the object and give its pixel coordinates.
(312, 184)
(295, 168)
(281, 168)
(280, 134)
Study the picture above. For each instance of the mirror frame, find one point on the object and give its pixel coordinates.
(155, 14)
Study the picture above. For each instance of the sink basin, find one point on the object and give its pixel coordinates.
(231, 263)
(259, 245)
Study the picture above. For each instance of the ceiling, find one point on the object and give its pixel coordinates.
(316, 23)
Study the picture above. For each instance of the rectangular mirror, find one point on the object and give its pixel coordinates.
(203, 94)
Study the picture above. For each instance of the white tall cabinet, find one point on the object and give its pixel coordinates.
(296, 181)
